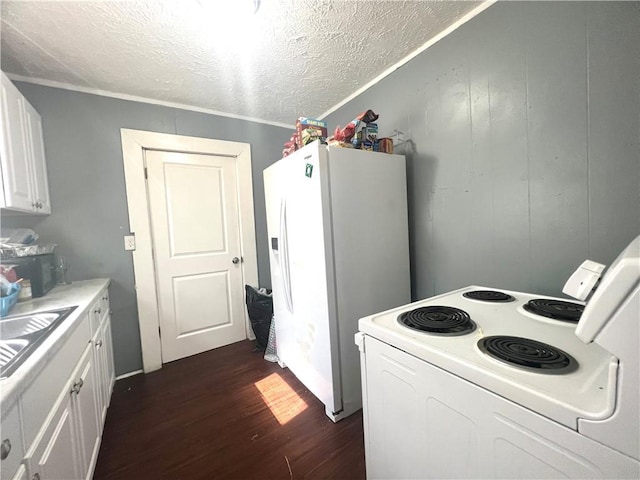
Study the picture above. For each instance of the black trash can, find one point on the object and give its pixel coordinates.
(260, 310)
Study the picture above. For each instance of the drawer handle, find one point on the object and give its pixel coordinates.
(106, 298)
(77, 386)
(99, 343)
(5, 448)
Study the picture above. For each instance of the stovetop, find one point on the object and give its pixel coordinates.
(579, 384)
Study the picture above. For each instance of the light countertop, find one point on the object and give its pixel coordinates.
(81, 294)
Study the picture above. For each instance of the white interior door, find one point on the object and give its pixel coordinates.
(193, 204)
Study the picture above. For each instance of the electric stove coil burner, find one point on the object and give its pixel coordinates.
(556, 309)
(528, 354)
(438, 320)
(489, 296)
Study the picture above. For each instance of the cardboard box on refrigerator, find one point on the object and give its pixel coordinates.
(316, 128)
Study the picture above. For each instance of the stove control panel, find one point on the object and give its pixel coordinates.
(584, 280)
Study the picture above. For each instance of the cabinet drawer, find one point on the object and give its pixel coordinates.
(99, 311)
(95, 315)
(37, 400)
(104, 302)
(11, 439)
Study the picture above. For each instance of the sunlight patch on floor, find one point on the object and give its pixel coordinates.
(283, 402)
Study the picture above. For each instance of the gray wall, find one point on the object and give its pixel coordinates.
(86, 178)
(524, 157)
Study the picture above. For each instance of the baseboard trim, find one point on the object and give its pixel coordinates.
(130, 374)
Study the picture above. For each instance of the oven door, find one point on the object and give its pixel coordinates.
(424, 422)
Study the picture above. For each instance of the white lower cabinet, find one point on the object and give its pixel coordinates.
(67, 444)
(70, 440)
(88, 419)
(103, 354)
(99, 358)
(55, 455)
(108, 372)
(10, 443)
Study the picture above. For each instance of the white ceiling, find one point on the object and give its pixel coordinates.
(291, 58)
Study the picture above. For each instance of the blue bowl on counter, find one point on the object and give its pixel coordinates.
(7, 302)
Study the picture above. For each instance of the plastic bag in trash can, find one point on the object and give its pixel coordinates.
(271, 353)
(260, 310)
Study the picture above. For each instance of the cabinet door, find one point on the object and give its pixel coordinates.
(104, 357)
(11, 439)
(109, 369)
(101, 392)
(111, 372)
(14, 155)
(55, 455)
(35, 143)
(67, 447)
(85, 401)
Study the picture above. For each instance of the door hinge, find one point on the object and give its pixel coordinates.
(146, 173)
(159, 332)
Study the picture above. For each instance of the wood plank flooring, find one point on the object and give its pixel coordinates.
(206, 417)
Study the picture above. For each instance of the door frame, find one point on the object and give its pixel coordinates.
(134, 144)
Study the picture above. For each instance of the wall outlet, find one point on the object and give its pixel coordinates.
(129, 242)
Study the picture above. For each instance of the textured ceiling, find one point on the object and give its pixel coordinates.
(291, 58)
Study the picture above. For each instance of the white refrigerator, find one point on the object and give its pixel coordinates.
(339, 250)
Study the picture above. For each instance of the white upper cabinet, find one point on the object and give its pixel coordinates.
(15, 165)
(39, 184)
(24, 171)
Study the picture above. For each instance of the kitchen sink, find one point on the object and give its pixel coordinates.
(26, 324)
(9, 349)
(21, 335)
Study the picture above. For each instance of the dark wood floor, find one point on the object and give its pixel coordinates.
(206, 417)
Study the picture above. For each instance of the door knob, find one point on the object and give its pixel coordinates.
(235, 260)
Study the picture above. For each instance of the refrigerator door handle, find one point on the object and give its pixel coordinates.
(284, 256)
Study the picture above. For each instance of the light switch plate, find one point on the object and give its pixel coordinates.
(129, 242)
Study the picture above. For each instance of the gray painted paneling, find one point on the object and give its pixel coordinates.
(500, 203)
(614, 126)
(86, 179)
(524, 156)
(557, 126)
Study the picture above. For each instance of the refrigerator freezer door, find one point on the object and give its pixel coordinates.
(316, 357)
(297, 191)
(284, 256)
(274, 184)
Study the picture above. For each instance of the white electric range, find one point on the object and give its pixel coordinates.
(491, 383)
